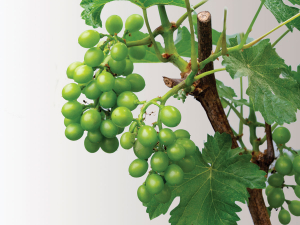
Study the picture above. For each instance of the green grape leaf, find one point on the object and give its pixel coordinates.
(294, 2)
(283, 12)
(183, 42)
(276, 97)
(294, 74)
(148, 3)
(208, 193)
(216, 35)
(150, 52)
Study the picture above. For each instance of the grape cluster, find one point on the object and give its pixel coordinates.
(285, 165)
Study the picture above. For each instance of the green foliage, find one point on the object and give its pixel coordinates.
(295, 2)
(276, 98)
(181, 94)
(216, 35)
(183, 42)
(208, 193)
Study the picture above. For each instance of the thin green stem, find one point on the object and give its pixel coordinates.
(239, 139)
(240, 116)
(145, 106)
(279, 39)
(252, 127)
(163, 16)
(208, 73)
(265, 137)
(290, 150)
(229, 110)
(241, 125)
(224, 44)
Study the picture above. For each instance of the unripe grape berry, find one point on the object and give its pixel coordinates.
(109, 145)
(137, 52)
(284, 217)
(138, 168)
(105, 81)
(71, 92)
(164, 196)
(170, 116)
(119, 51)
(154, 184)
(134, 23)
(143, 194)
(89, 38)
(90, 146)
(114, 24)
(93, 57)
(71, 69)
(122, 116)
(294, 207)
(83, 74)
(74, 131)
(147, 136)
(283, 165)
(137, 82)
(281, 135)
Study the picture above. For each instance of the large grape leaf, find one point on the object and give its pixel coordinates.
(208, 193)
(294, 74)
(283, 12)
(276, 97)
(150, 52)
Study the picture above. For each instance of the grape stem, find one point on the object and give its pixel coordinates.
(279, 39)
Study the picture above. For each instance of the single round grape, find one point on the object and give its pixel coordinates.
(276, 180)
(170, 116)
(90, 146)
(297, 178)
(296, 164)
(71, 110)
(138, 168)
(109, 145)
(95, 136)
(141, 151)
(120, 130)
(121, 85)
(90, 120)
(117, 67)
(71, 69)
(89, 38)
(128, 100)
(284, 216)
(128, 68)
(137, 82)
(269, 188)
(187, 164)
(105, 81)
(166, 136)
(69, 121)
(147, 136)
(283, 165)
(121, 116)
(113, 24)
(176, 152)
(134, 23)
(144, 195)
(154, 184)
(108, 99)
(159, 162)
(164, 196)
(281, 135)
(91, 91)
(74, 131)
(71, 92)
(83, 74)
(181, 133)
(137, 52)
(174, 174)
(297, 191)
(119, 51)
(93, 57)
(189, 146)
(127, 140)
(108, 129)
(294, 207)
(276, 198)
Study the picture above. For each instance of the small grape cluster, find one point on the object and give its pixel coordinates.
(285, 165)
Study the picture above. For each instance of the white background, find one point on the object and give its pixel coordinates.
(46, 179)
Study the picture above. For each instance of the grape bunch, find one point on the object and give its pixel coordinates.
(285, 165)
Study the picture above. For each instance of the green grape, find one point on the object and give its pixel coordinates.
(170, 116)
(89, 38)
(297, 178)
(93, 57)
(127, 140)
(189, 146)
(147, 136)
(128, 100)
(180, 133)
(83, 74)
(297, 191)
(284, 165)
(174, 174)
(138, 168)
(269, 188)
(95, 136)
(121, 116)
(276, 198)
(154, 184)
(276, 180)
(134, 23)
(187, 164)
(108, 129)
(144, 195)
(284, 216)
(120, 130)
(128, 68)
(114, 24)
(119, 51)
(294, 207)
(117, 67)
(71, 92)
(90, 146)
(121, 85)
(137, 52)
(281, 135)
(141, 151)
(109, 145)
(137, 82)
(71, 110)
(90, 120)
(71, 69)
(164, 196)
(69, 121)
(159, 162)
(176, 152)
(108, 99)
(91, 91)
(74, 131)
(105, 81)
(166, 136)
(296, 164)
